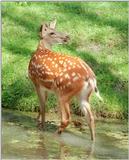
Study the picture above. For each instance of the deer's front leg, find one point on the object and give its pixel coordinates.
(42, 95)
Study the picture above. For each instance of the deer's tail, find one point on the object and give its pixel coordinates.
(93, 83)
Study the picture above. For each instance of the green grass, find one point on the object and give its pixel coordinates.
(98, 32)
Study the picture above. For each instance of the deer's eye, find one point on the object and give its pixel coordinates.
(52, 33)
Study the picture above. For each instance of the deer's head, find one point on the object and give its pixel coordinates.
(50, 36)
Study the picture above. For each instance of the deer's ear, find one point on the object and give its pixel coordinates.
(43, 30)
(53, 24)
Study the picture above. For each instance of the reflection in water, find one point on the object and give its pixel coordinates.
(65, 152)
(58, 147)
(74, 146)
(91, 151)
(22, 143)
(42, 150)
(21, 140)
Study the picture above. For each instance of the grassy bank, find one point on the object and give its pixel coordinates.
(98, 35)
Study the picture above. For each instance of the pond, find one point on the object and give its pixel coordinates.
(22, 140)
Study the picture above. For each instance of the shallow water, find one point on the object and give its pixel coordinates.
(22, 140)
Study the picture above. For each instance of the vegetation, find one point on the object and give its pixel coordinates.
(98, 32)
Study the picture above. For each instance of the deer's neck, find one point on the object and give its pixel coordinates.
(43, 44)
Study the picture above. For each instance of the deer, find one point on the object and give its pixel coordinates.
(65, 75)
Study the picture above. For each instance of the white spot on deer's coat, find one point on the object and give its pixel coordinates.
(69, 83)
(65, 65)
(73, 74)
(56, 65)
(69, 68)
(42, 72)
(65, 70)
(73, 66)
(75, 78)
(47, 73)
(78, 66)
(50, 73)
(67, 76)
(79, 75)
(38, 66)
(61, 73)
(32, 72)
(48, 80)
(61, 79)
(61, 62)
(56, 74)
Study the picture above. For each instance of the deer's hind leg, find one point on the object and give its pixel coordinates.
(86, 109)
(42, 96)
(65, 114)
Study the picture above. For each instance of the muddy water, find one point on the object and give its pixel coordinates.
(21, 139)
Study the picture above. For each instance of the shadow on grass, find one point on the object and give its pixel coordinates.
(32, 22)
(18, 49)
(29, 21)
(12, 93)
(88, 14)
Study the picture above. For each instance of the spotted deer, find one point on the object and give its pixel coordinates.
(65, 75)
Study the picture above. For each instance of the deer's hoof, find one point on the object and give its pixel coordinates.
(40, 126)
(59, 132)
